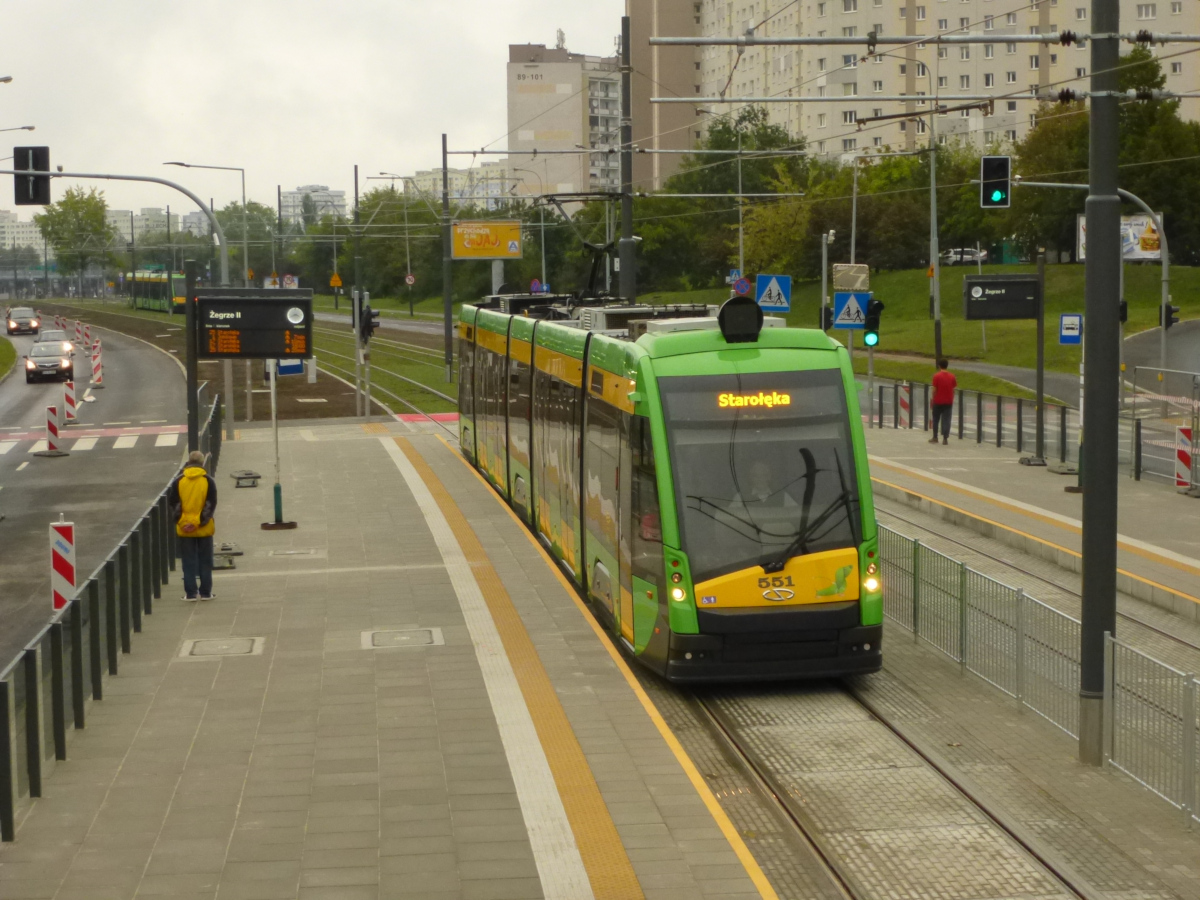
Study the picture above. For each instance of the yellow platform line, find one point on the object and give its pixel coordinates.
(1032, 537)
(604, 858)
(1012, 507)
(753, 870)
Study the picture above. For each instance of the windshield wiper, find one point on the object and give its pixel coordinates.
(807, 530)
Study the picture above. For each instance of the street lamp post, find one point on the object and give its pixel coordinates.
(542, 208)
(407, 248)
(227, 366)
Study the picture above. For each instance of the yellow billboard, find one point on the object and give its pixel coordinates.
(491, 239)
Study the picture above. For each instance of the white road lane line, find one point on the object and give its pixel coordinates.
(166, 440)
(84, 444)
(22, 465)
(551, 838)
(154, 421)
(5, 446)
(125, 441)
(118, 423)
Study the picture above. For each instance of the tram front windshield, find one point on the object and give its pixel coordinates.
(763, 466)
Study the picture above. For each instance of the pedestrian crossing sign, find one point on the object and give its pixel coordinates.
(850, 309)
(773, 292)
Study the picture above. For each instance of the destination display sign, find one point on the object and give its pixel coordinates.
(1001, 297)
(253, 324)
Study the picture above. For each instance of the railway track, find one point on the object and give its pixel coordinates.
(1161, 633)
(771, 768)
(340, 372)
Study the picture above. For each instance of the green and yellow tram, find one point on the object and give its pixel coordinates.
(704, 485)
(162, 291)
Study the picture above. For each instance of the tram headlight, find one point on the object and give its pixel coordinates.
(676, 577)
(872, 568)
(871, 584)
(678, 594)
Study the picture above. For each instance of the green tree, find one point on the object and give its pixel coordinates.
(258, 225)
(78, 230)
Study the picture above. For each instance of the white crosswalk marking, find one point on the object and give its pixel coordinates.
(166, 440)
(38, 447)
(5, 446)
(125, 442)
(84, 444)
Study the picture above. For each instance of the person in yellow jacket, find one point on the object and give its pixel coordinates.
(192, 499)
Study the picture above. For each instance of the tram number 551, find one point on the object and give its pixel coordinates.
(777, 582)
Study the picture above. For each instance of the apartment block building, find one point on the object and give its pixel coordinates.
(127, 223)
(17, 233)
(567, 103)
(325, 202)
(844, 85)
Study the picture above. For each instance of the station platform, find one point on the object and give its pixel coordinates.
(398, 698)
(403, 698)
(985, 489)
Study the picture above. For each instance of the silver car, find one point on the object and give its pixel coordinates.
(23, 320)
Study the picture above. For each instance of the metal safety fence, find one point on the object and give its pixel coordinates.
(45, 690)
(1030, 651)
(1163, 409)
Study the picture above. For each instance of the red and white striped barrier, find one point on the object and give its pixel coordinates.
(78, 332)
(87, 335)
(1183, 457)
(905, 406)
(97, 366)
(62, 562)
(69, 402)
(52, 434)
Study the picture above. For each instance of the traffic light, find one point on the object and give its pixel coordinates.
(1168, 313)
(368, 321)
(995, 188)
(31, 190)
(871, 322)
(826, 320)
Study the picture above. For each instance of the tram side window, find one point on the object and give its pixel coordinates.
(466, 383)
(600, 478)
(647, 523)
(519, 405)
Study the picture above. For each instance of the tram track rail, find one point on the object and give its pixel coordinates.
(339, 372)
(795, 811)
(887, 510)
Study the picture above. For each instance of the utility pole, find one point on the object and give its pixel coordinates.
(191, 369)
(356, 302)
(741, 206)
(447, 270)
(1098, 456)
(854, 213)
(935, 262)
(625, 249)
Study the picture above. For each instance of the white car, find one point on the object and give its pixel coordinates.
(963, 255)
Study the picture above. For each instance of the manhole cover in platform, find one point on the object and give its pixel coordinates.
(407, 637)
(215, 647)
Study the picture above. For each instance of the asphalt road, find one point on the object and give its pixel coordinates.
(124, 449)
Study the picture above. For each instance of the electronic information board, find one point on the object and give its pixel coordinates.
(253, 324)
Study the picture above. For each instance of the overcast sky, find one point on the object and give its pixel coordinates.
(295, 91)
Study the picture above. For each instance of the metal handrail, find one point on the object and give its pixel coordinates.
(133, 575)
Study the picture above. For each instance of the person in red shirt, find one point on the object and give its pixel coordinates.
(944, 385)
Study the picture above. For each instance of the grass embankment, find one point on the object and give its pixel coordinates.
(388, 307)
(907, 329)
(8, 356)
(905, 370)
(295, 395)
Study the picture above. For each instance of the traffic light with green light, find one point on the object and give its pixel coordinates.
(995, 182)
(871, 322)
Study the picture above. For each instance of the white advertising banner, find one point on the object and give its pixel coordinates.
(1139, 237)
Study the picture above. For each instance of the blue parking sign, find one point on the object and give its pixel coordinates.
(773, 292)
